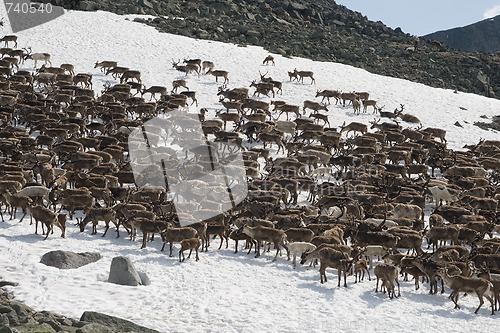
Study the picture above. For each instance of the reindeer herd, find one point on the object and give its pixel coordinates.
(338, 195)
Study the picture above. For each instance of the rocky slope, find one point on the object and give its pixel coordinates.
(320, 30)
(481, 36)
(16, 317)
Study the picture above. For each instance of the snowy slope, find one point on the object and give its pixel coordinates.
(227, 292)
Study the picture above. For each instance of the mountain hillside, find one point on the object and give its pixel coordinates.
(319, 30)
(478, 37)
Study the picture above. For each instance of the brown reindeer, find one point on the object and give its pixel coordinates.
(268, 59)
(302, 74)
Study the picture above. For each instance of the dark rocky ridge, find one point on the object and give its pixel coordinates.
(481, 36)
(319, 30)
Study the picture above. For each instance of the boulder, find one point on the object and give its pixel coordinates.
(144, 279)
(123, 272)
(114, 324)
(146, 3)
(69, 260)
(87, 6)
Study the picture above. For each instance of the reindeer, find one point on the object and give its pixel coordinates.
(83, 78)
(235, 94)
(315, 106)
(327, 94)
(153, 90)
(116, 71)
(45, 57)
(130, 74)
(302, 74)
(188, 68)
(268, 59)
(354, 127)
(369, 102)
(219, 73)
(385, 126)
(293, 76)
(263, 88)
(17, 53)
(319, 116)
(105, 65)
(177, 84)
(9, 38)
(191, 95)
(206, 66)
(196, 62)
(277, 84)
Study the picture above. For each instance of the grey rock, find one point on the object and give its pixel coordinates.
(6, 329)
(253, 33)
(252, 40)
(297, 6)
(123, 272)
(94, 328)
(20, 308)
(158, 20)
(88, 6)
(13, 318)
(114, 323)
(219, 6)
(144, 279)
(4, 320)
(55, 325)
(146, 3)
(26, 320)
(68, 322)
(5, 309)
(69, 260)
(42, 328)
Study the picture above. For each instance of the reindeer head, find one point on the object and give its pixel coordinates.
(374, 123)
(175, 63)
(222, 88)
(27, 53)
(263, 76)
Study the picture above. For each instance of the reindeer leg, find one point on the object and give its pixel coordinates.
(481, 302)
(221, 241)
(277, 251)
(488, 297)
(455, 299)
(48, 229)
(24, 214)
(105, 229)
(257, 250)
